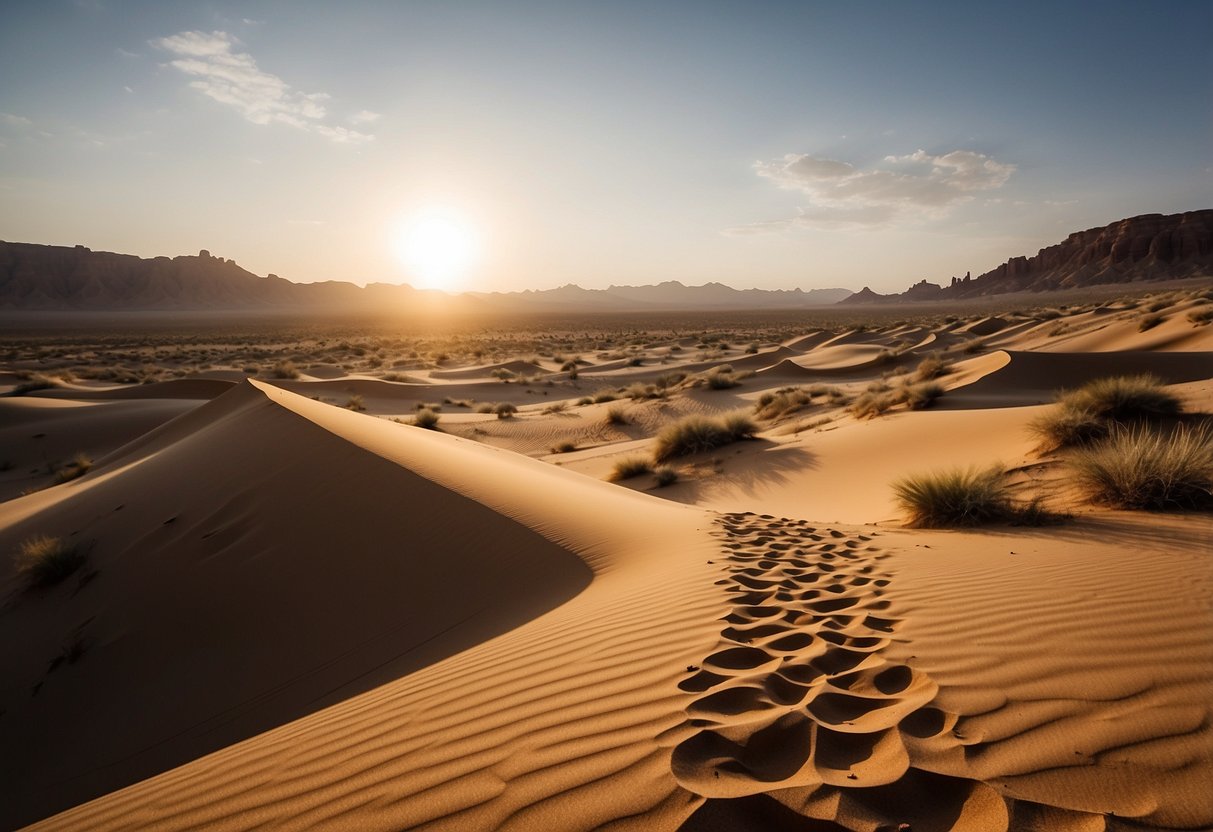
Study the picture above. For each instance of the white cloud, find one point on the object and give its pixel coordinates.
(125, 53)
(365, 117)
(10, 120)
(233, 78)
(906, 188)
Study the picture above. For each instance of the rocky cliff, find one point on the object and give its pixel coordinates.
(1149, 247)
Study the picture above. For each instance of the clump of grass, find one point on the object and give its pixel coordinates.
(1137, 468)
(932, 367)
(556, 407)
(505, 410)
(630, 466)
(958, 497)
(43, 560)
(427, 419)
(693, 434)
(665, 475)
(921, 396)
(564, 448)
(721, 378)
(1088, 413)
(1149, 322)
(616, 415)
(78, 467)
(355, 403)
(584, 400)
(604, 395)
(870, 404)
(485, 407)
(36, 381)
(1201, 316)
(284, 369)
(781, 403)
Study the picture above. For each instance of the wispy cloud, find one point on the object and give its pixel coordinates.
(233, 78)
(11, 120)
(912, 187)
(365, 117)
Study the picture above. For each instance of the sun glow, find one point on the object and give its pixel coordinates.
(437, 247)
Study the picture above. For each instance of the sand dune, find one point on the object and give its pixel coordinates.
(340, 622)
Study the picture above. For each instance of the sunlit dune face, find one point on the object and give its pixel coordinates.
(437, 248)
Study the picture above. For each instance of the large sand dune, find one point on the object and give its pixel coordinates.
(297, 616)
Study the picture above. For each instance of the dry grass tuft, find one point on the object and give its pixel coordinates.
(44, 560)
(630, 466)
(1137, 468)
(693, 434)
(1089, 413)
(959, 497)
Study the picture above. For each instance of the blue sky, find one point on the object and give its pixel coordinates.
(759, 144)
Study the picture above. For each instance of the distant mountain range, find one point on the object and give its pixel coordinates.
(62, 278)
(1149, 247)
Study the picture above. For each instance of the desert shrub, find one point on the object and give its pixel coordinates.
(503, 374)
(630, 466)
(584, 400)
(868, 405)
(1158, 305)
(400, 377)
(486, 407)
(1149, 322)
(973, 347)
(616, 415)
(564, 448)
(665, 475)
(284, 369)
(669, 380)
(1140, 468)
(250, 369)
(922, 396)
(958, 497)
(604, 395)
(693, 434)
(36, 381)
(1201, 316)
(781, 403)
(556, 407)
(505, 410)
(355, 403)
(43, 560)
(427, 419)
(639, 392)
(1087, 414)
(720, 378)
(932, 367)
(78, 467)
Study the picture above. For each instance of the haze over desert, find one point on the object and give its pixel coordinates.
(765, 417)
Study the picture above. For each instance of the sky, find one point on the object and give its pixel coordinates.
(501, 146)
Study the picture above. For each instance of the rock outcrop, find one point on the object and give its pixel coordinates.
(1149, 247)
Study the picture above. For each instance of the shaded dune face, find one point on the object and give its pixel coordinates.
(246, 567)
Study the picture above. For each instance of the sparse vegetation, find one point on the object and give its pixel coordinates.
(932, 367)
(630, 466)
(427, 419)
(958, 497)
(43, 560)
(1139, 468)
(921, 396)
(694, 434)
(616, 415)
(781, 403)
(564, 448)
(505, 410)
(1149, 322)
(665, 475)
(1088, 413)
(78, 467)
(355, 403)
(36, 381)
(1201, 316)
(284, 369)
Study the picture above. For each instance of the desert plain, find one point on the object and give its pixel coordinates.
(649, 572)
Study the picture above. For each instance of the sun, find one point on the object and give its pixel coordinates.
(437, 247)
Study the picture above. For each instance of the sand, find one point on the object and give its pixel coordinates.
(300, 616)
